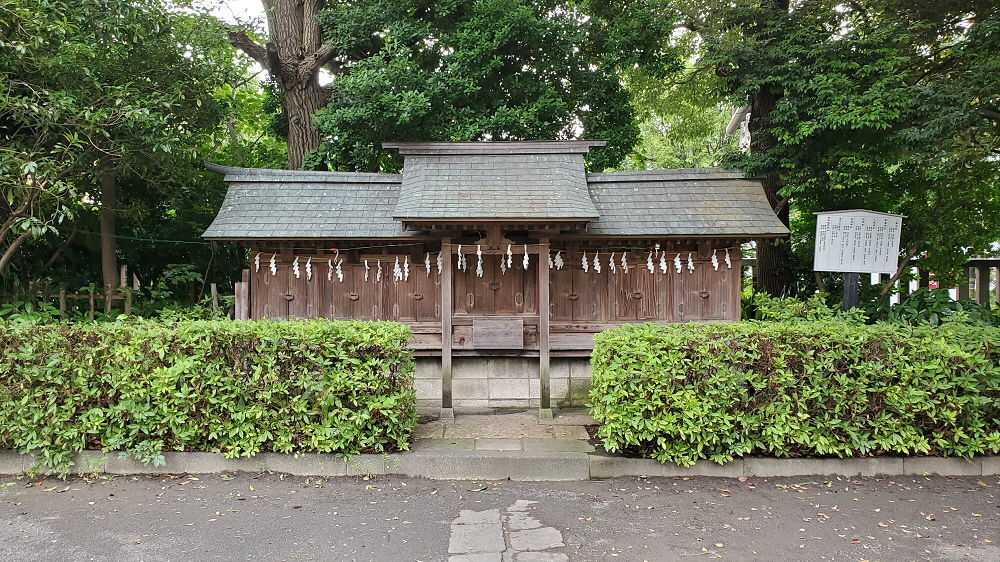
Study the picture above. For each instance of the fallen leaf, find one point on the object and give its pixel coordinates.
(479, 489)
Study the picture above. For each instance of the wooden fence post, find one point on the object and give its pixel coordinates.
(215, 297)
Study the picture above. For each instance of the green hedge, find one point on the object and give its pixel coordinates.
(239, 388)
(685, 392)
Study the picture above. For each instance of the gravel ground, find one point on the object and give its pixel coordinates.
(278, 517)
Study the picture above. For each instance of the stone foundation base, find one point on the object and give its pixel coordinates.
(501, 382)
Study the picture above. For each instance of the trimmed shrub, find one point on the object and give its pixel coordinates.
(685, 392)
(239, 388)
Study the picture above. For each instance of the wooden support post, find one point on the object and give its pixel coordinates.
(247, 295)
(852, 286)
(544, 310)
(128, 301)
(447, 271)
(998, 285)
(214, 290)
(963, 285)
(62, 303)
(983, 285)
(91, 314)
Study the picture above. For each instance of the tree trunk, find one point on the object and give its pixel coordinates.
(8, 253)
(293, 56)
(774, 259)
(299, 104)
(109, 247)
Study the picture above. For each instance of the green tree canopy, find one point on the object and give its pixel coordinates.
(131, 90)
(887, 105)
(484, 69)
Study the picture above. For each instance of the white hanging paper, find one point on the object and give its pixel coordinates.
(624, 263)
(525, 262)
(309, 269)
(549, 255)
(729, 262)
(378, 271)
(460, 256)
(678, 266)
(715, 260)
(295, 268)
(503, 265)
(329, 270)
(479, 262)
(663, 262)
(440, 263)
(397, 272)
(510, 257)
(597, 263)
(367, 267)
(559, 260)
(406, 268)
(612, 265)
(584, 263)
(273, 265)
(340, 270)
(649, 262)
(427, 263)
(690, 263)
(256, 262)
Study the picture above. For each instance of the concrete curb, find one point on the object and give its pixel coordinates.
(528, 465)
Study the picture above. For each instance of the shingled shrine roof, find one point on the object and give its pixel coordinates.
(288, 204)
(494, 181)
(547, 183)
(695, 202)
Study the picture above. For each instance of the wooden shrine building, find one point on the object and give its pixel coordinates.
(505, 257)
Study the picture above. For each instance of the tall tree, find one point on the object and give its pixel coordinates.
(887, 104)
(462, 70)
(485, 69)
(101, 92)
(293, 55)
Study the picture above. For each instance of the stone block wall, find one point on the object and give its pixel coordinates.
(499, 382)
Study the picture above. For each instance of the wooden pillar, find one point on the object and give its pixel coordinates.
(998, 284)
(544, 310)
(983, 285)
(63, 309)
(447, 271)
(963, 284)
(247, 295)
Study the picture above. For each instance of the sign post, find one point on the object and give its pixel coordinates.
(854, 242)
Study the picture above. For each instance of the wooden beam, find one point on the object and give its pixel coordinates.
(544, 310)
(447, 271)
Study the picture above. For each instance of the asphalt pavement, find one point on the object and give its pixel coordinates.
(276, 517)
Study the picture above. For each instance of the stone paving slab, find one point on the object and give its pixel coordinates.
(557, 445)
(499, 445)
(444, 445)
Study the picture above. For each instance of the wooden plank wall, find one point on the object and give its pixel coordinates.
(581, 303)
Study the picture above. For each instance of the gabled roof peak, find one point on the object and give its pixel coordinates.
(495, 147)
